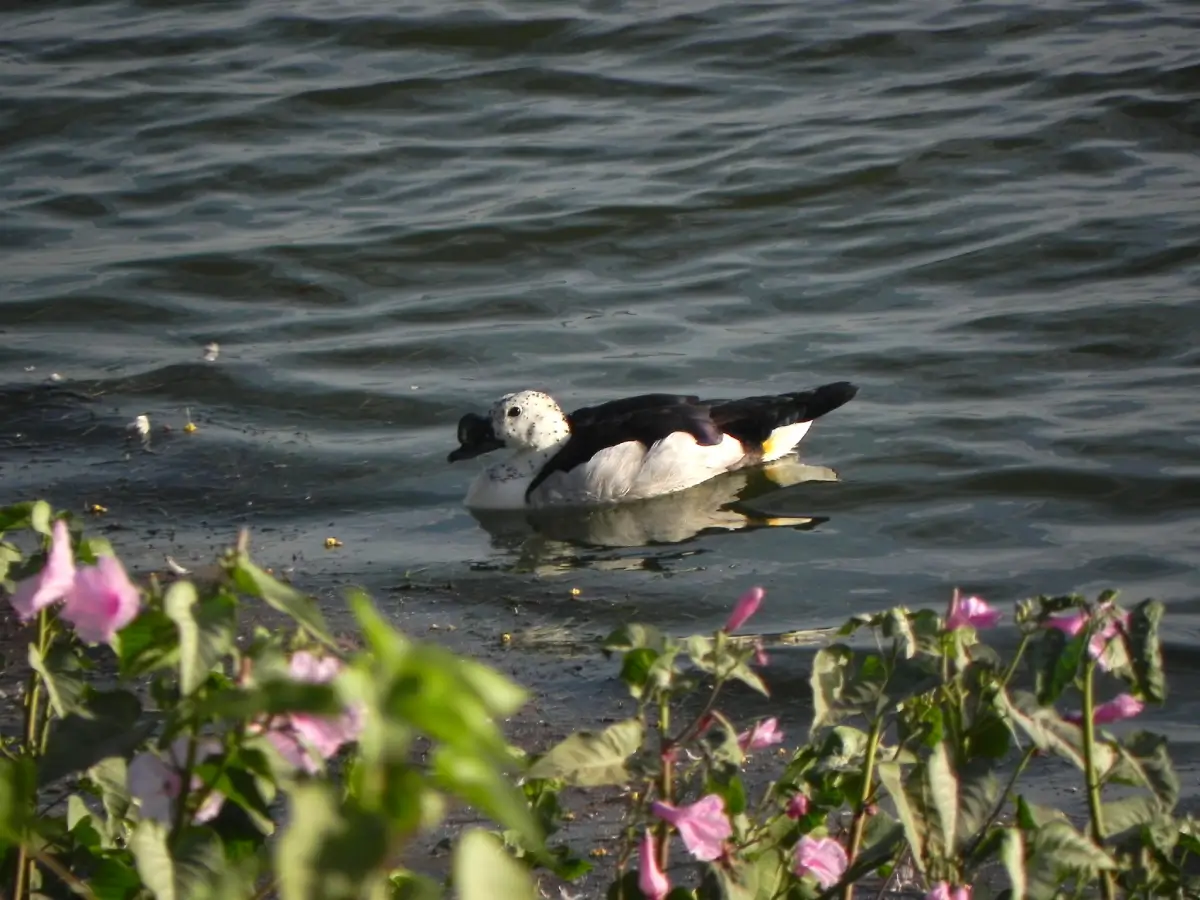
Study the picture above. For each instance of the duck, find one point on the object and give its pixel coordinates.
(630, 449)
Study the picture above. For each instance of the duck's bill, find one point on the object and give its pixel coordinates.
(475, 437)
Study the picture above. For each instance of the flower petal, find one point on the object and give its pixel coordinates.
(652, 881)
(746, 606)
(102, 601)
(824, 859)
(54, 581)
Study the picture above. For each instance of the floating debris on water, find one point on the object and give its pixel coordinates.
(211, 351)
(176, 567)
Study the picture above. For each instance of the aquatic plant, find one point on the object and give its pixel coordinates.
(168, 749)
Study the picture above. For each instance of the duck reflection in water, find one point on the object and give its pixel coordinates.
(571, 538)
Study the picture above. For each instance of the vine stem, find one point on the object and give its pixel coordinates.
(1095, 809)
(665, 783)
(856, 829)
(32, 747)
(185, 784)
(77, 887)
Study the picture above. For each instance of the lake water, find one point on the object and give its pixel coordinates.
(386, 214)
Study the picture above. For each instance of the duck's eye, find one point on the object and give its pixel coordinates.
(514, 411)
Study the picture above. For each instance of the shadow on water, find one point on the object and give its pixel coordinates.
(545, 541)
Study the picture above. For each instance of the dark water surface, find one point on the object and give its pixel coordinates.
(387, 214)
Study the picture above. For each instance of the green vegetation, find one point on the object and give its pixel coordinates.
(167, 751)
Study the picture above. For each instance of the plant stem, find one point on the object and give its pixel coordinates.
(185, 786)
(1093, 777)
(859, 825)
(665, 782)
(1016, 660)
(32, 747)
(77, 887)
(1003, 798)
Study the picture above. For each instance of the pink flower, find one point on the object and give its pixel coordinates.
(746, 606)
(763, 734)
(102, 601)
(703, 825)
(943, 891)
(797, 807)
(52, 583)
(760, 654)
(652, 881)
(312, 669)
(972, 611)
(1072, 623)
(304, 739)
(824, 859)
(1069, 624)
(1123, 706)
(156, 783)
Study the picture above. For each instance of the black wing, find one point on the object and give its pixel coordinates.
(646, 419)
(752, 419)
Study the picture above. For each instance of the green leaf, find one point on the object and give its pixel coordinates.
(482, 784)
(1068, 849)
(238, 786)
(437, 692)
(978, 793)
(1144, 762)
(17, 516)
(1056, 660)
(1048, 731)
(406, 885)
(205, 631)
(60, 669)
(635, 637)
(18, 798)
(195, 868)
(843, 749)
(152, 858)
(271, 697)
(831, 668)
(1012, 855)
(897, 627)
(1130, 812)
(911, 814)
(884, 835)
(500, 696)
(742, 672)
(941, 787)
(113, 879)
(91, 549)
(41, 518)
(8, 556)
(78, 742)
(148, 643)
(1145, 650)
(110, 778)
(636, 668)
(727, 784)
(302, 609)
(483, 871)
(328, 852)
(587, 759)
(761, 876)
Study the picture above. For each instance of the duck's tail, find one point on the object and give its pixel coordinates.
(773, 425)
